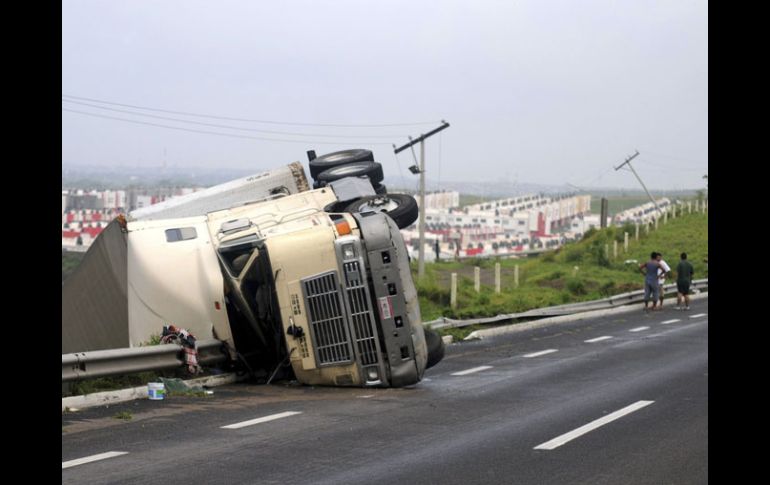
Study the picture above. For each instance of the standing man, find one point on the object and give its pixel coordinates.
(650, 272)
(663, 272)
(684, 274)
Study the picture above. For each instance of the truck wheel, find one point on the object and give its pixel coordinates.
(380, 189)
(373, 170)
(435, 348)
(401, 208)
(330, 160)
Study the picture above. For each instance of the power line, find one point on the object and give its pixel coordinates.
(231, 135)
(200, 115)
(672, 157)
(229, 127)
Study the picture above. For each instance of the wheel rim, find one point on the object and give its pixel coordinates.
(378, 204)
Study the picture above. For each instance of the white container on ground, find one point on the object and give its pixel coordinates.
(156, 391)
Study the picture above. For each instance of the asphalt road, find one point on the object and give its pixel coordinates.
(630, 409)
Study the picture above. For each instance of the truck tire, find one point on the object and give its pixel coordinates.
(330, 160)
(435, 348)
(380, 189)
(373, 170)
(401, 208)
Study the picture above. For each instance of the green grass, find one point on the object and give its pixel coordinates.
(68, 264)
(618, 204)
(551, 279)
(101, 384)
(124, 415)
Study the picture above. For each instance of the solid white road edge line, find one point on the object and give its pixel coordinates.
(471, 371)
(89, 459)
(597, 339)
(638, 329)
(263, 419)
(567, 437)
(542, 352)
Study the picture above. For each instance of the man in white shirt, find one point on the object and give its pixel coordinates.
(663, 272)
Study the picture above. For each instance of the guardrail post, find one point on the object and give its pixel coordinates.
(453, 292)
(477, 278)
(615, 249)
(625, 242)
(516, 276)
(636, 233)
(497, 277)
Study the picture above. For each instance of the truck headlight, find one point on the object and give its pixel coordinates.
(348, 252)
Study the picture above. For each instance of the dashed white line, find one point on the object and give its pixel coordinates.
(698, 315)
(673, 320)
(542, 352)
(471, 371)
(597, 339)
(366, 396)
(567, 437)
(638, 329)
(89, 459)
(263, 419)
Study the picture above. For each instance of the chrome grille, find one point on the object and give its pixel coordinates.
(360, 314)
(327, 319)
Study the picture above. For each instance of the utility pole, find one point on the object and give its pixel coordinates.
(421, 224)
(628, 162)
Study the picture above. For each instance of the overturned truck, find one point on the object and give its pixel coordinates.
(312, 281)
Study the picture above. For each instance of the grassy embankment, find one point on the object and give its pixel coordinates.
(551, 279)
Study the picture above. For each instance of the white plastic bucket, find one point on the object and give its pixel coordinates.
(156, 391)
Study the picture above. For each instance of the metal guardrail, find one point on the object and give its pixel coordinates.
(102, 363)
(568, 309)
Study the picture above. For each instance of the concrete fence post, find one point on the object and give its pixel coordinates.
(636, 232)
(615, 249)
(477, 278)
(689, 207)
(665, 217)
(516, 276)
(625, 242)
(453, 292)
(497, 277)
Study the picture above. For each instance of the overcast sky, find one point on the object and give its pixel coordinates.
(535, 91)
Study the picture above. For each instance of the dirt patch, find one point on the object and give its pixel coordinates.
(557, 284)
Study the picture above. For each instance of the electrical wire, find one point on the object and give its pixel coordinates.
(229, 127)
(247, 120)
(205, 132)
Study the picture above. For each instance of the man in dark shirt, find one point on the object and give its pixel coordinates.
(684, 273)
(650, 272)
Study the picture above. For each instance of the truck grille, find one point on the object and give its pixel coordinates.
(327, 319)
(360, 314)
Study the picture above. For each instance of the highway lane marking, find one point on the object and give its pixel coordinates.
(575, 433)
(92, 458)
(366, 397)
(471, 371)
(263, 419)
(673, 320)
(542, 352)
(598, 339)
(638, 329)
(698, 315)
